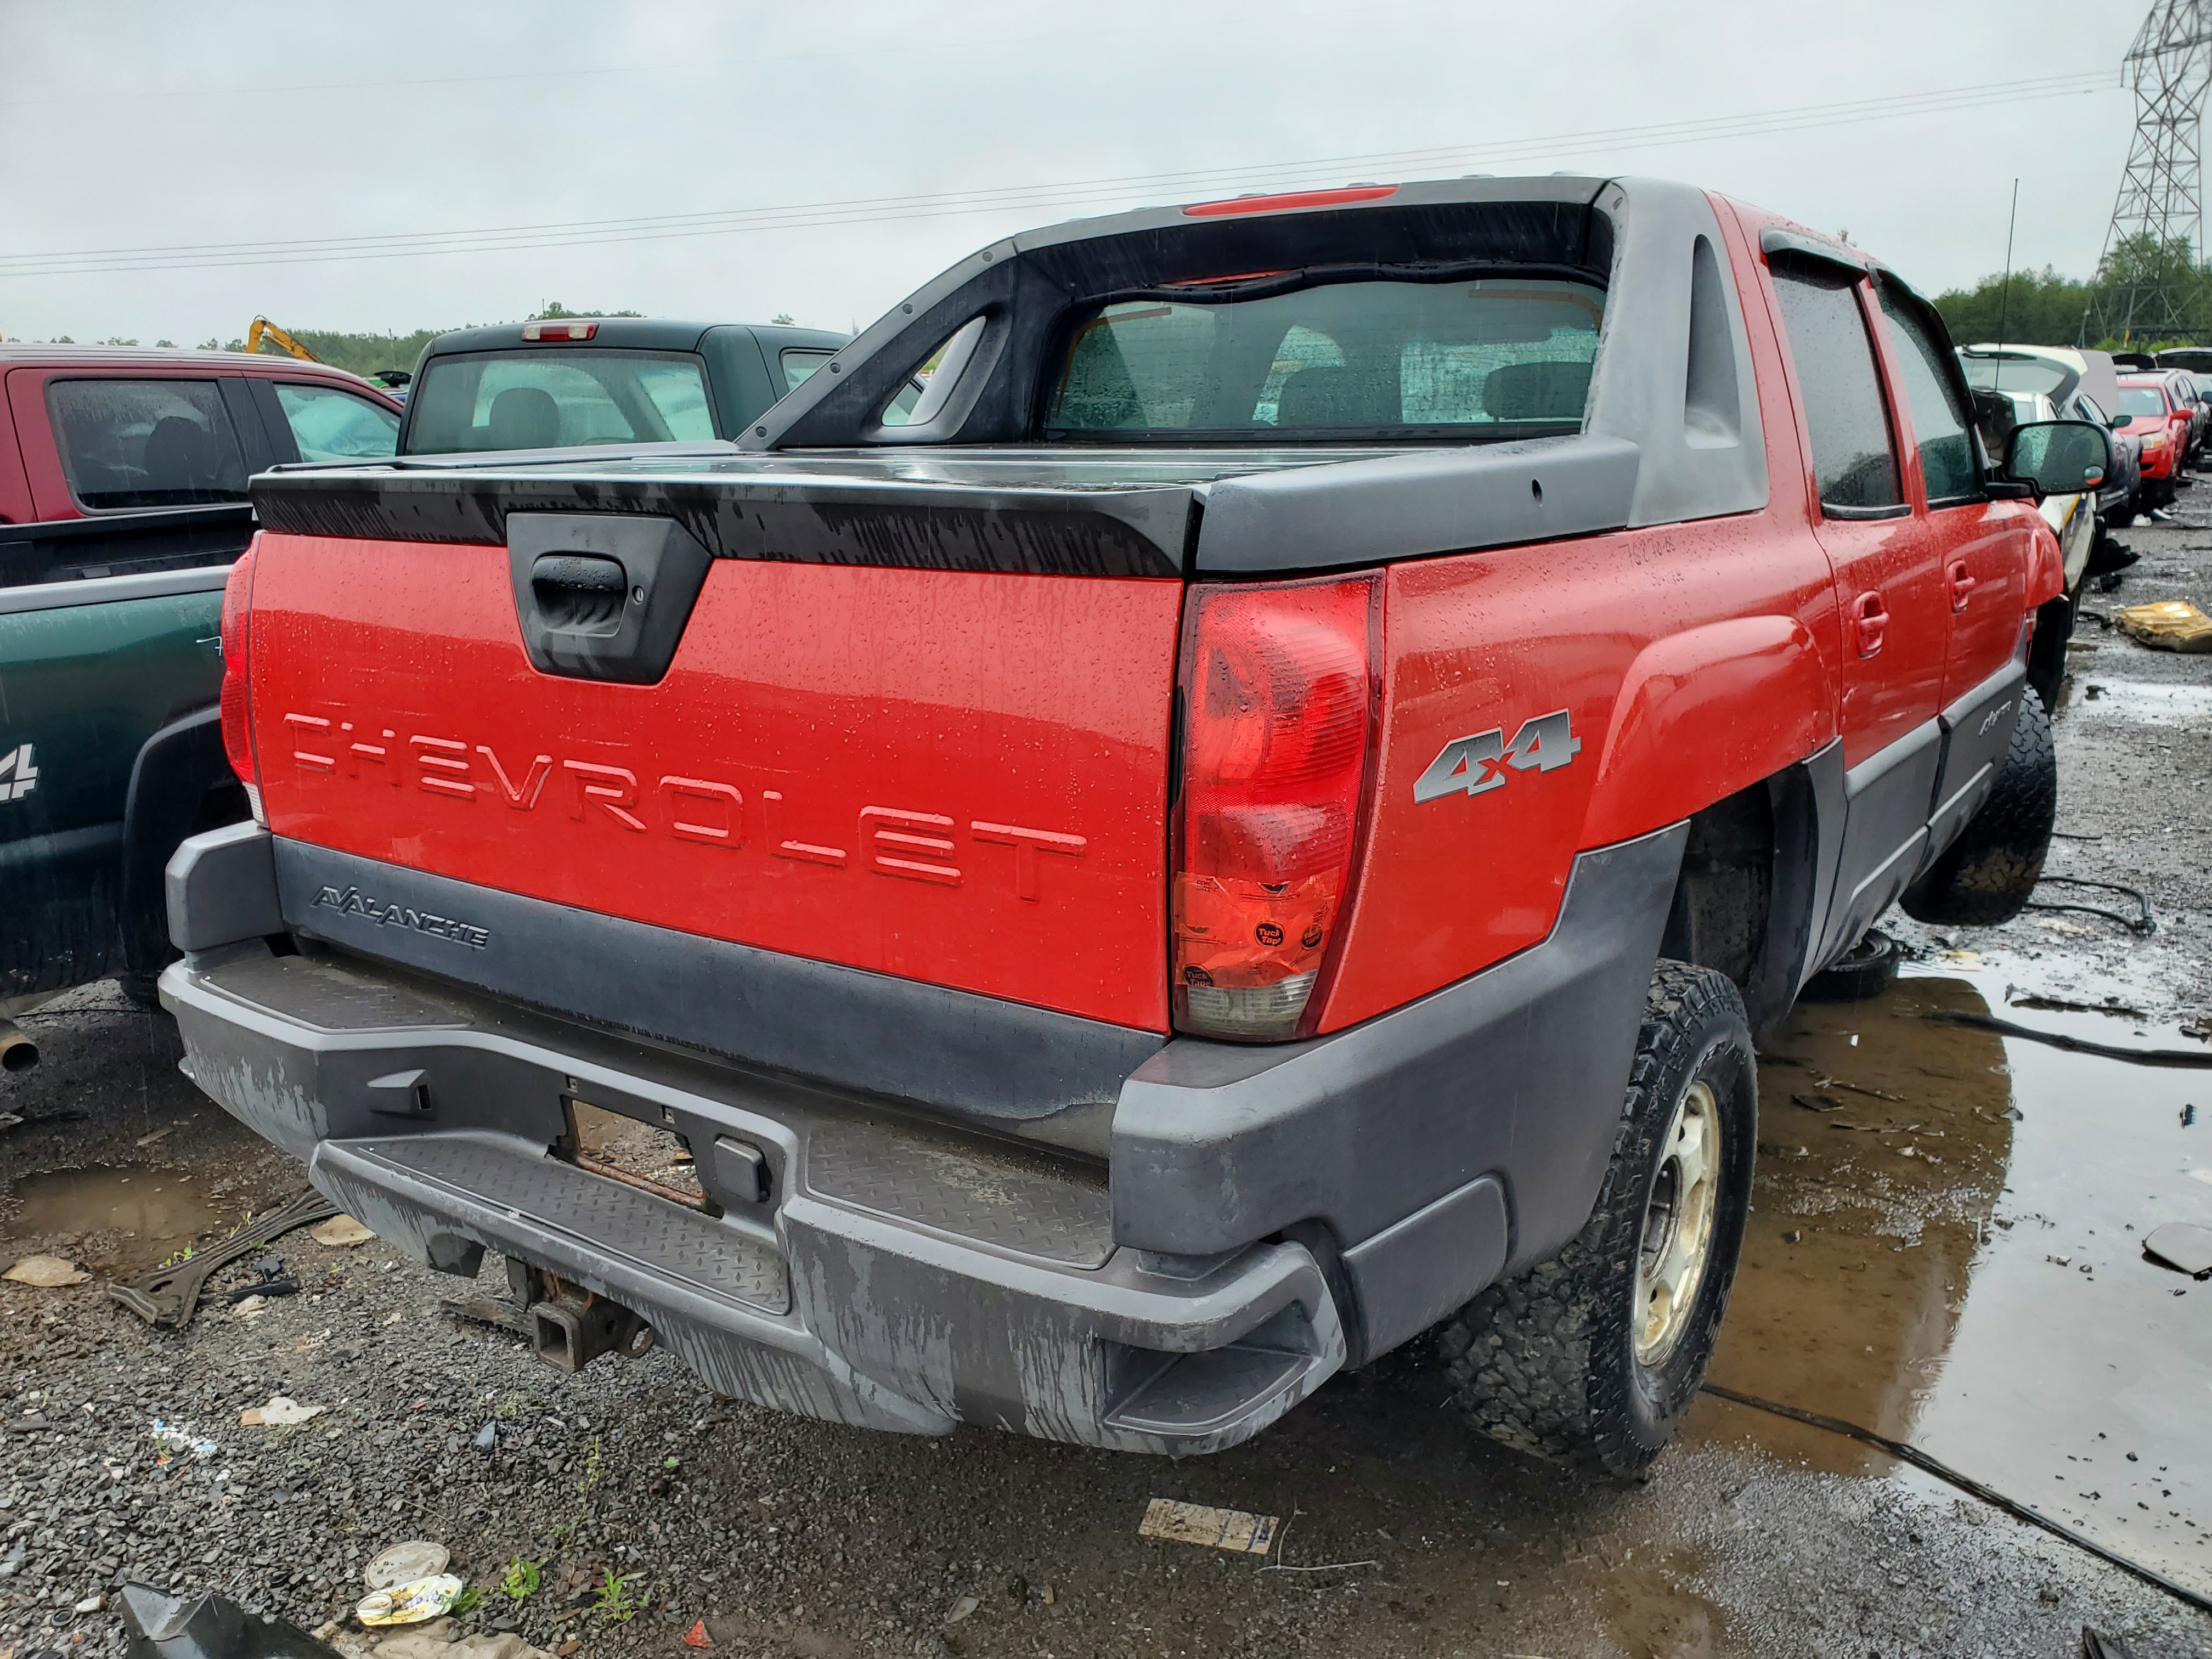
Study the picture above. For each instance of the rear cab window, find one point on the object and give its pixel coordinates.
(1259, 358)
(146, 443)
(540, 399)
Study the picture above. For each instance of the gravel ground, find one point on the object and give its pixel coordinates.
(792, 1538)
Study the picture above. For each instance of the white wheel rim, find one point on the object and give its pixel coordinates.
(1677, 1224)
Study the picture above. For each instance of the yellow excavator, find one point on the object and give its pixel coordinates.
(263, 328)
(393, 380)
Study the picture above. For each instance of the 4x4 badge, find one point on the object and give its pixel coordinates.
(1473, 765)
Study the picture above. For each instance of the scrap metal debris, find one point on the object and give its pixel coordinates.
(168, 1295)
(1221, 1529)
(2183, 1247)
(165, 1626)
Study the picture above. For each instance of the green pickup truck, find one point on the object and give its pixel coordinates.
(123, 503)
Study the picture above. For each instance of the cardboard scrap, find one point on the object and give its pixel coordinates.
(48, 1273)
(1220, 1529)
(341, 1229)
(283, 1411)
(2170, 624)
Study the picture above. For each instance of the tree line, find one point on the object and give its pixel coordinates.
(2138, 286)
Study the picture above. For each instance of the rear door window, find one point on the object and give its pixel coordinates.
(1854, 461)
(330, 424)
(146, 443)
(547, 399)
(1939, 422)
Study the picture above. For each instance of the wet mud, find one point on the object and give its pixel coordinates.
(1945, 1249)
(114, 1221)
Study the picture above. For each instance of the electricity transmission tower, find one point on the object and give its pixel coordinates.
(2156, 238)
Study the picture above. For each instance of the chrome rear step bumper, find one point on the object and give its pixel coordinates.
(898, 1275)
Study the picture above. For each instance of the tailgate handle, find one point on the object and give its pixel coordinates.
(602, 596)
(579, 593)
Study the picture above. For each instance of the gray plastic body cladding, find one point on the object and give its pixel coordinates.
(812, 1303)
(1977, 732)
(1888, 798)
(1703, 452)
(1398, 507)
(1409, 1276)
(954, 1052)
(1517, 1070)
(220, 888)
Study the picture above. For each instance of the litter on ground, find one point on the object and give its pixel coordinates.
(413, 1603)
(48, 1273)
(2169, 624)
(341, 1231)
(403, 1564)
(1221, 1529)
(285, 1412)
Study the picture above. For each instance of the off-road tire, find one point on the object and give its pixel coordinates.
(142, 992)
(1988, 875)
(1867, 969)
(1546, 1362)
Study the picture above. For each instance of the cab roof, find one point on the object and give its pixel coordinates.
(627, 334)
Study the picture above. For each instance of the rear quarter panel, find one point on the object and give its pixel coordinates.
(1691, 659)
(1686, 660)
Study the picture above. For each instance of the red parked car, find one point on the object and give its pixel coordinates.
(1256, 818)
(2149, 410)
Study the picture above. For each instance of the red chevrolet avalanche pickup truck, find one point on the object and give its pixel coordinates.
(1255, 819)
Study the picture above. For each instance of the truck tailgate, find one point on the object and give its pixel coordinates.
(957, 776)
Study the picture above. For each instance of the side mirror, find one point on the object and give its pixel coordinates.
(2115, 422)
(2058, 458)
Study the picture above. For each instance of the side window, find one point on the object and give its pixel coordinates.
(146, 443)
(798, 365)
(1853, 460)
(1940, 421)
(333, 425)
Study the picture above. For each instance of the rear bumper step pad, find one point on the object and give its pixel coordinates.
(896, 1277)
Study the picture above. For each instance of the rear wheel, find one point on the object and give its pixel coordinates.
(1592, 1358)
(1988, 875)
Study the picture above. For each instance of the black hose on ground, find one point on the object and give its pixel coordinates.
(1974, 1488)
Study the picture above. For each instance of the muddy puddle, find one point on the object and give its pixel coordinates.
(1945, 1249)
(2093, 698)
(109, 1220)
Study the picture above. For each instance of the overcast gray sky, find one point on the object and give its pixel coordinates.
(229, 135)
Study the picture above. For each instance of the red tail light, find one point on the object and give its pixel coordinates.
(1278, 701)
(559, 330)
(237, 665)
